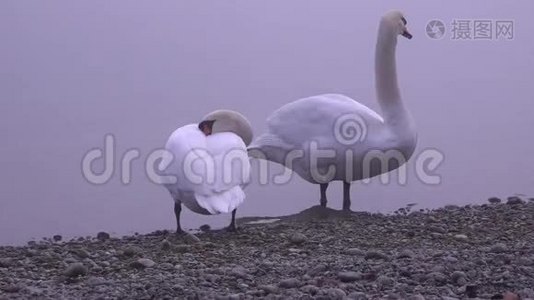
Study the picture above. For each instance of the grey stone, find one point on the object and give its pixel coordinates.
(289, 283)
(349, 276)
(75, 270)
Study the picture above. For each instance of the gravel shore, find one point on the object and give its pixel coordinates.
(478, 251)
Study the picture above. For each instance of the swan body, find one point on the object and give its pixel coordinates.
(193, 187)
(297, 125)
(208, 172)
(354, 136)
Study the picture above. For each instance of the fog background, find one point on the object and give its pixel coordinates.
(72, 72)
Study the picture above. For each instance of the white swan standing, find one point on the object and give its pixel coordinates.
(210, 165)
(350, 139)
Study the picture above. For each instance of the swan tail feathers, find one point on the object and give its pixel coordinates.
(223, 202)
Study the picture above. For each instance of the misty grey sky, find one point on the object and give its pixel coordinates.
(72, 72)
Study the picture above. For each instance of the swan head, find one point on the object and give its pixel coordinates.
(396, 20)
(227, 121)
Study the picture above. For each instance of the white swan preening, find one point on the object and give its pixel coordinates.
(299, 132)
(210, 165)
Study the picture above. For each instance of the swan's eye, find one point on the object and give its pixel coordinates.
(404, 21)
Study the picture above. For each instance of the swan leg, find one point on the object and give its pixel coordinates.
(324, 186)
(346, 196)
(177, 211)
(232, 227)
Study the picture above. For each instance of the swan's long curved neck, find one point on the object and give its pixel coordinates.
(387, 88)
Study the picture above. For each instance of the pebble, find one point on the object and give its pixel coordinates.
(102, 236)
(310, 289)
(358, 296)
(373, 254)
(385, 282)
(75, 270)
(461, 237)
(297, 238)
(166, 245)
(355, 252)
(335, 294)
(494, 200)
(289, 283)
(205, 228)
(142, 263)
(514, 200)
(131, 251)
(269, 288)
(191, 238)
(349, 276)
(96, 281)
(406, 253)
(499, 248)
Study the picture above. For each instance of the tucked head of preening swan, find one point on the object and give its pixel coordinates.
(206, 127)
(396, 20)
(224, 120)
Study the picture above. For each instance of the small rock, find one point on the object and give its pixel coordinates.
(494, 200)
(166, 245)
(289, 283)
(5, 262)
(349, 276)
(297, 238)
(471, 291)
(102, 236)
(269, 288)
(437, 277)
(437, 229)
(335, 294)
(406, 253)
(57, 238)
(514, 200)
(318, 269)
(456, 276)
(358, 296)
(96, 281)
(34, 291)
(385, 282)
(239, 272)
(131, 251)
(191, 238)
(526, 293)
(450, 259)
(310, 289)
(355, 252)
(11, 288)
(143, 263)
(499, 248)
(75, 270)
(205, 228)
(372, 254)
(166, 266)
(461, 237)
(81, 253)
